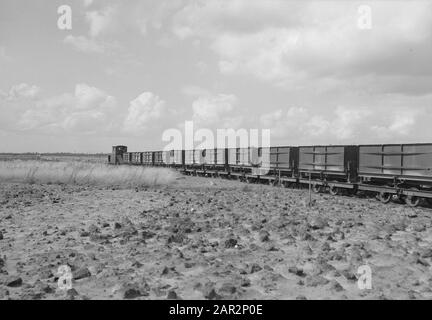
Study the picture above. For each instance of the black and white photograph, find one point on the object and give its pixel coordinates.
(238, 151)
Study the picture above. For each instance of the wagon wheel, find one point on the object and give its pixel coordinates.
(317, 188)
(385, 197)
(334, 191)
(412, 201)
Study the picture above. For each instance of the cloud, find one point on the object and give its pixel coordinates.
(293, 44)
(84, 44)
(142, 112)
(284, 123)
(261, 54)
(141, 18)
(14, 102)
(347, 120)
(208, 18)
(87, 110)
(214, 110)
(87, 97)
(348, 125)
(102, 20)
(402, 124)
(153, 15)
(301, 124)
(23, 90)
(87, 3)
(108, 48)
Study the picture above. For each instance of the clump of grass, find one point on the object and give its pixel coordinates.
(84, 173)
(246, 188)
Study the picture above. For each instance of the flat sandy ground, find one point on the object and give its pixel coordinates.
(203, 238)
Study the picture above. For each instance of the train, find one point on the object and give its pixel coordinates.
(384, 170)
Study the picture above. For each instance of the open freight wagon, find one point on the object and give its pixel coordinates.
(328, 166)
(404, 170)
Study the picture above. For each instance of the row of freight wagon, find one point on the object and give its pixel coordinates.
(403, 170)
(236, 159)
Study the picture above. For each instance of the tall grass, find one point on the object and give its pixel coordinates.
(83, 173)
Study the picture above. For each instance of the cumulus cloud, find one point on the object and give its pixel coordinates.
(267, 54)
(294, 43)
(14, 102)
(154, 15)
(87, 110)
(87, 97)
(346, 121)
(301, 124)
(347, 125)
(215, 110)
(292, 121)
(264, 53)
(212, 17)
(101, 20)
(284, 122)
(402, 124)
(142, 112)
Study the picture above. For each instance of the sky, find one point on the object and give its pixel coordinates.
(313, 72)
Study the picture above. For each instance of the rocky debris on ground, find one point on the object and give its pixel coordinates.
(258, 244)
(230, 243)
(208, 291)
(81, 273)
(172, 295)
(315, 280)
(13, 281)
(336, 286)
(135, 290)
(72, 293)
(297, 271)
(264, 236)
(254, 267)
